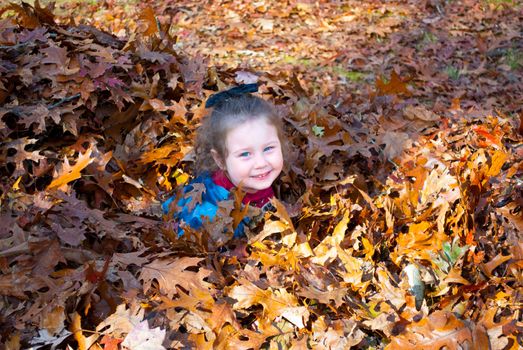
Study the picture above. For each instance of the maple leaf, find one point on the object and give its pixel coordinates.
(110, 343)
(69, 173)
(395, 86)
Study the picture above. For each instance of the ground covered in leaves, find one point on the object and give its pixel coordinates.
(399, 222)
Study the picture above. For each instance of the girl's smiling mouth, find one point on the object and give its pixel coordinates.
(262, 176)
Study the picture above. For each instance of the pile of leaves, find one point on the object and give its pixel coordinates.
(399, 224)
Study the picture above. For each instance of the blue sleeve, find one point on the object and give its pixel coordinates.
(206, 209)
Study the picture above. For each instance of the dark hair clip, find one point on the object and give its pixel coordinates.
(235, 91)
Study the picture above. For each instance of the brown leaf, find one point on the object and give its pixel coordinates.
(122, 321)
(21, 154)
(494, 263)
(48, 254)
(148, 17)
(55, 55)
(173, 272)
(26, 17)
(13, 343)
(439, 329)
(420, 112)
(222, 313)
(275, 303)
(394, 87)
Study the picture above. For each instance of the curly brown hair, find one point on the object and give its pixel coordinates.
(225, 116)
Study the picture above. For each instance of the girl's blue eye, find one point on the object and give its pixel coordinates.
(244, 154)
(270, 148)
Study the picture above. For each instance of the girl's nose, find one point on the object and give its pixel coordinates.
(260, 161)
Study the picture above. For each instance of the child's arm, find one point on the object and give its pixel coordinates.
(193, 213)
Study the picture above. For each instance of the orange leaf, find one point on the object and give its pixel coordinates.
(110, 343)
(440, 330)
(76, 329)
(498, 160)
(456, 104)
(491, 139)
(238, 213)
(148, 17)
(26, 17)
(70, 173)
(394, 87)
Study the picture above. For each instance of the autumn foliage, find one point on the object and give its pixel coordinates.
(398, 223)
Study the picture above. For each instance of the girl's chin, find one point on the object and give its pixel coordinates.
(255, 186)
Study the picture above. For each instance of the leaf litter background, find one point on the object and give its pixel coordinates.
(400, 221)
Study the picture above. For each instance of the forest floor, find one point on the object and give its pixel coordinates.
(399, 220)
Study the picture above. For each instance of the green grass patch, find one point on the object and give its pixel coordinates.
(354, 76)
(499, 4)
(351, 75)
(513, 58)
(453, 72)
(306, 62)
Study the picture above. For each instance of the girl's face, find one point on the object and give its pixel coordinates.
(254, 157)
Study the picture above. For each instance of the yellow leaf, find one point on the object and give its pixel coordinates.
(70, 173)
(16, 185)
(368, 248)
(326, 251)
(182, 178)
(339, 231)
(274, 302)
(498, 160)
(353, 269)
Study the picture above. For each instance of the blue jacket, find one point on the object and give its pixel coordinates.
(207, 208)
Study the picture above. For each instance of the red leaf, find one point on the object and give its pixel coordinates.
(110, 343)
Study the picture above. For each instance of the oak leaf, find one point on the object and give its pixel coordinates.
(440, 329)
(175, 272)
(141, 337)
(69, 173)
(122, 321)
(274, 302)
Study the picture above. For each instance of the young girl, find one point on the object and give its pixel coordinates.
(237, 145)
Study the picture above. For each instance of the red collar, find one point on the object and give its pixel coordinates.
(258, 199)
